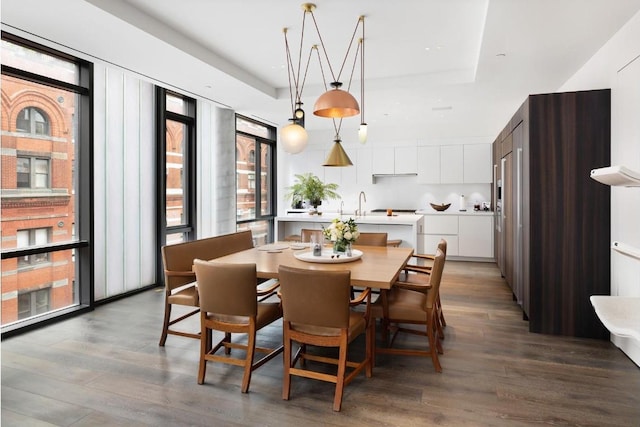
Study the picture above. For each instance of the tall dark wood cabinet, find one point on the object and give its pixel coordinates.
(553, 220)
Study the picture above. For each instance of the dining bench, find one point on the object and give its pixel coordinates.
(180, 280)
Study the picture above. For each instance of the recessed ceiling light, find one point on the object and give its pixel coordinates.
(427, 49)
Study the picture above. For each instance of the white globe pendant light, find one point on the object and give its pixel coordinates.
(294, 138)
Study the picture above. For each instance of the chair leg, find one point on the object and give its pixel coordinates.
(205, 346)
(227, 339)
(342, 369)
(439, 305)
(248, 363)
(433, 343)
(370, 347)
(165, 325)
(286, 375)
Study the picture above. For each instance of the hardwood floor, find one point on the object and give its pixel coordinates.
(105, 368)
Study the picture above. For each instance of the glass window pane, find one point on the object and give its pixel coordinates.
(176, 104)
(32, 217)
(265, 179)
(252, 128)
(175, 191)
(41, 63)
(259, 231)
(245, 178)
(36, 295)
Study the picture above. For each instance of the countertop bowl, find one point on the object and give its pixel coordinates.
(440, 208)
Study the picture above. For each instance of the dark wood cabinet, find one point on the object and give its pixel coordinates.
(555, 226)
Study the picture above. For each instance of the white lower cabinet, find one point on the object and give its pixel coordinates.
(438, 227)
(467, 236)
(475, 236)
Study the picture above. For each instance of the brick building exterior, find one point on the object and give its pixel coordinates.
(37, 203)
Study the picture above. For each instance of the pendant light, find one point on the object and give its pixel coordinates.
(294, 137)
(337, 156)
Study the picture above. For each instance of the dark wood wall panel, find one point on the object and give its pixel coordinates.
(568, 214)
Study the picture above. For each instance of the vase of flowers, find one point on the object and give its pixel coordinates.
(341, 234)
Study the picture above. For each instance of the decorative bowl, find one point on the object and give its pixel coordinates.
(440, 208)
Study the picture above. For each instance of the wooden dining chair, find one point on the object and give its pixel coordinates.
(228, 303)
(412, 304)
(426, 269)
(371, 239)
(316, 312)
(306, 233)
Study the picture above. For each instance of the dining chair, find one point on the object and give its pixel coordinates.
(180, 289)
(371, 239)
(228, 303)
(412, 304)
(426, 269)
(306, 233)
(316, 312)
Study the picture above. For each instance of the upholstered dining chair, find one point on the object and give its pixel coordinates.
(426, 269)
(316, 312)
(306, 233)
(371, 239)
(180, 289)
(228, 303)
(412, 304)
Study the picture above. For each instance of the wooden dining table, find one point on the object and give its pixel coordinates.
(377, 268)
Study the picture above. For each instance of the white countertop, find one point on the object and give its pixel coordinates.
(454, 212)
(326, 217)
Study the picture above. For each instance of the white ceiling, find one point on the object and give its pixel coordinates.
(484, 56)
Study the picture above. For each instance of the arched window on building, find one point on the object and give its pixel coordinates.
(252, 156)
(33, 120)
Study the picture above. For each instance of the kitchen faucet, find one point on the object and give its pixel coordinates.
(341, 206)
(360, 197)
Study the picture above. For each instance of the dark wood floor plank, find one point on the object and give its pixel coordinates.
(105, 368)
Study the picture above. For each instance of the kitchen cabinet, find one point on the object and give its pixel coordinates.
(468, 236)
(475, 236)
(454, 164)
(451, 164)
(428, 164)
(394, 160)
(554, 222)
(477, 163)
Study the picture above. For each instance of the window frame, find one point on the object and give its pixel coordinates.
(271, 141)
(188, 228)
(82, 244)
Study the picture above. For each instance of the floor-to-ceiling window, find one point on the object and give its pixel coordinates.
(255, 178)
(46, 200)
(176, 167)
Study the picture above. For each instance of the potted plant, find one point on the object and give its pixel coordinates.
(309, 187)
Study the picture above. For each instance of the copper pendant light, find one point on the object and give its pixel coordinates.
(336, 103)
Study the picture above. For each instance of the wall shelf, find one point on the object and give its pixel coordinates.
(616, 175)
(625, 249)
(620, 315)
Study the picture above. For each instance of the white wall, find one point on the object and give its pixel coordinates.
(617, 65)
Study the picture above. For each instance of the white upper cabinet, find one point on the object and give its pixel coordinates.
(394, 160)
(454, 164)
(451, 164)
(428, 164)
(383, 161)
(477, 163)
(405, 160)
(363, 165)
